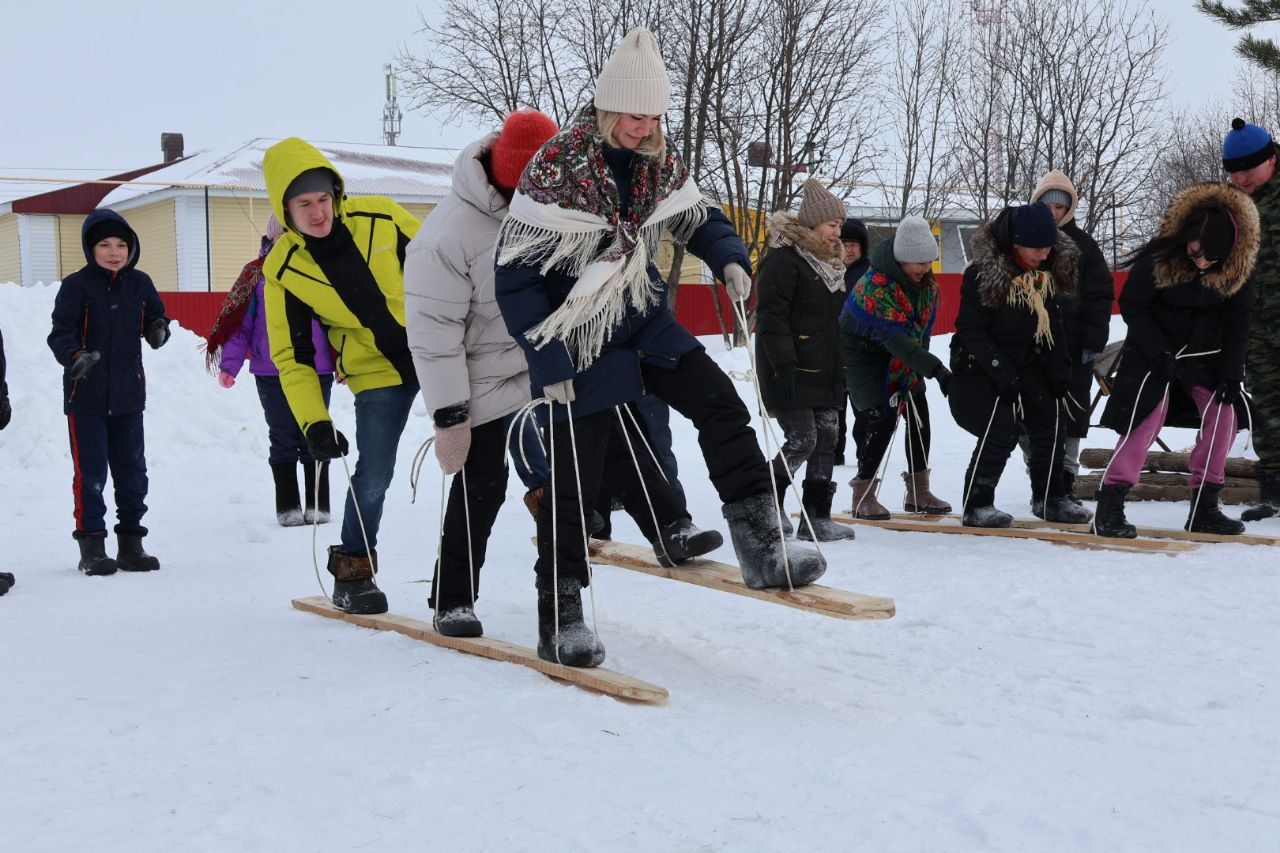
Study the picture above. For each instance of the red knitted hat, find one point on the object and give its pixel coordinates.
(522, 135)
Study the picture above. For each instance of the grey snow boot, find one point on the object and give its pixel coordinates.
(459, 621)
(315, 494)
(818, 495)
(93, 553)
(681, 541)
(6, 582)
(1268, 504)
(353, 588)
(1063, 509)
(288, 502)
(574, 644)
(980, 511)
(130, 557)
(753, 528)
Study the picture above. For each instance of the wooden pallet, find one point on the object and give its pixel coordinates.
(599, 680)
(1084, 540)
(1147, 532)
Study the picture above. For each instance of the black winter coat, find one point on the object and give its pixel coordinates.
(797, 322)
(1087, 319)
(97, 310)
(994, 342)
(1171, 307)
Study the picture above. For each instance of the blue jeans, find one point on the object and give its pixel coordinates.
(381, 414)
(537, 471)
(287, 441)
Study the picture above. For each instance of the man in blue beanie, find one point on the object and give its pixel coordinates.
(1249, 159)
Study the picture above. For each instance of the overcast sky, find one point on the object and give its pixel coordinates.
(92, 86)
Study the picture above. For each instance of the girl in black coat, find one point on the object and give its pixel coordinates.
(1010, 359)
(1188, 304)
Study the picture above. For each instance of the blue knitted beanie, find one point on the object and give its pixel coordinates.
(1245, 146)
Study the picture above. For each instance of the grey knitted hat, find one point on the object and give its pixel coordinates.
(914, 242)
(318, 180)
(818, 205)
(1056, 196)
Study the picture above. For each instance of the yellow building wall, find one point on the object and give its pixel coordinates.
(10, 250)
(70, 253)
(236, 226)
(157, 233)
(419, 210)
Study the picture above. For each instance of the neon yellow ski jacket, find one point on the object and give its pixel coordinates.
(297, 289)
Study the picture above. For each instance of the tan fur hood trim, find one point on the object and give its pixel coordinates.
(1057, 179)
(785, 226)
(997, 269)
(1229, 276)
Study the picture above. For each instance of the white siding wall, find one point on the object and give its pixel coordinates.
(38, 236)
(193, 255)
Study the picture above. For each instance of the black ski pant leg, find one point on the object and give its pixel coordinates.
(561, 551)
(1046, 454)
(826, 423)
(989, 457)
(127, 458)
(838, 451)
(698, 389)
(623, 481)
(919, 435)
(480, 498)
(800, 437)
(872, 434)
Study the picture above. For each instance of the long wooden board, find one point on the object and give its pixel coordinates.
(823, 600)
(1087, 541)
(600, 680)
(1148, 532)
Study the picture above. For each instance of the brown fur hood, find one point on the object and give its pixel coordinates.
(993, 261)
(1230, 275)
(785, 229)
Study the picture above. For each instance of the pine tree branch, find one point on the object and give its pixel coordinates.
(1254, 12)
(1261, 52)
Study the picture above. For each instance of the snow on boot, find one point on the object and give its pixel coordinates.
(1268, 504)
(6, 582)
(1037, 508)
(458, 621)
(573, 644)
(865, 504)
(1109, 520)
(1061, 509)
(753, 528)
(93, 553)
(1206, 516)
(1069, 484)
(918, 498)
(315, 497)
(981, 511)
(682, 541)
(353, 588)
(288, 504)
(130, 557)
(818, 495)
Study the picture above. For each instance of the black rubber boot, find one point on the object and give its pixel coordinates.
(573, 644)
(288, 504)
(980, 511)
(93, 553)
(818, 495)
(1109, 520)
(753, 528)
(459, 621)
(316, 499)
(6, 582)
(682, 541)
(130, 556)
(1206, 515)
(353, 588)
(1268, 504)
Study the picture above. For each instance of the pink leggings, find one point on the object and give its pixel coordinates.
(1131, 452)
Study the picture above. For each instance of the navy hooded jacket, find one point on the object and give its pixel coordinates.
(100, 311)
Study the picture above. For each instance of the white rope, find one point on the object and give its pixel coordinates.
(1053, 451)
(640, 432)
(1208, 458)
(644, 487)
(978, 456)
(877, 481)
(582, 518)
(315, 526)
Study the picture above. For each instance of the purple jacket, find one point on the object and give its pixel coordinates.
(250, 340)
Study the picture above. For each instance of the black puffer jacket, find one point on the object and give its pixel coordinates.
(1171, 306)
(797, 320)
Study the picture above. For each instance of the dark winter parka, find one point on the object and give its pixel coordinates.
(526, 297)
(1087, 319)
(870, 341)
(994, 343)
(1170, 306)
(797, 320)
(98, 310)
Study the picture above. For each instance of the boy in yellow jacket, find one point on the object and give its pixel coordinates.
(341, 261)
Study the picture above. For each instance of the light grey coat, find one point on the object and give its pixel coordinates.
(461, 349)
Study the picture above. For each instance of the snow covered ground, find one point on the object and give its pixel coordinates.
(1025, 697)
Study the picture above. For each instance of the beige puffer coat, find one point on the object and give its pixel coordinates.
(461, 349)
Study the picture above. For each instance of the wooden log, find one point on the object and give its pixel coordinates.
(1097, 457)
(1087, 485)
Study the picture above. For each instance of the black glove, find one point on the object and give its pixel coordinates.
(1009, 393)
(82, 362)
(6, 411)
(325, 442)
(1228, 393)
(1168, 367)
(787, 390)
(943, 377)
(1060, 388)
(157, 332)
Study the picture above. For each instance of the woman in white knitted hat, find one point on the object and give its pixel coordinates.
(580, 293)
(801, 286)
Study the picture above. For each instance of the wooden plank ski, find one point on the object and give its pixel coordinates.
(823, 600)
(600, 680)
(1076, 539)
(1147, 532)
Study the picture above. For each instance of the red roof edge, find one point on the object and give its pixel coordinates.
(80, 198)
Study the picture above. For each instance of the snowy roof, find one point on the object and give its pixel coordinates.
(400, 171)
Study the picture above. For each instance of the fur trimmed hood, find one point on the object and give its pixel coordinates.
(1230, 275)
(784, 228)
(993, 261)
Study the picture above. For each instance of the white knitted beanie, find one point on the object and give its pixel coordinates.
(914, 243)
(634, 80)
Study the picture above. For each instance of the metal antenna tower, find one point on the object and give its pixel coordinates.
(391, 114)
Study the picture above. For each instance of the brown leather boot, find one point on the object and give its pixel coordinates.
(919, 499)
(865, 504)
